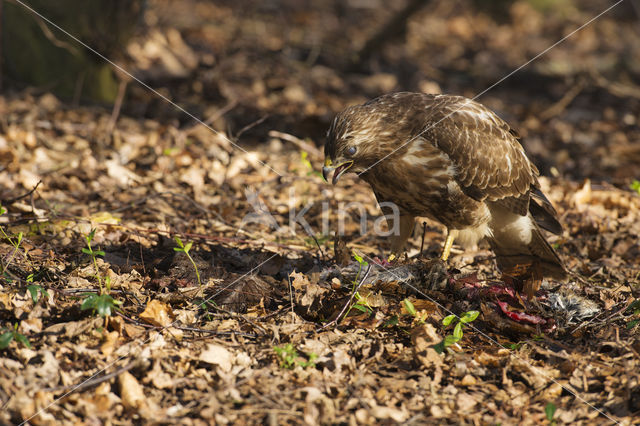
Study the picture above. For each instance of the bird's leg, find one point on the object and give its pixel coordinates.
(400, 235)
(446, 250)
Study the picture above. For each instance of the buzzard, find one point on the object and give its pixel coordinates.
(453, 160)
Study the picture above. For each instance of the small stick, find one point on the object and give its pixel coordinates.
(251, 126)
(19, 197)
(318, 245)
(424, 232)
(303, 145)
(117, 105)
(291, 294)
(263, 332)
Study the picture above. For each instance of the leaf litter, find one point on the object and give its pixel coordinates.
(171, 355)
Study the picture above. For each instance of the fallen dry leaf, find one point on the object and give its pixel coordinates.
(131, 392)
(423, 338)
(268, 81)
(157, 313)
(217, 355)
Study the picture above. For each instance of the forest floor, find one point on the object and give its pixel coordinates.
(276, 332)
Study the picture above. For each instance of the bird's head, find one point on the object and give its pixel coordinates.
(352, 142)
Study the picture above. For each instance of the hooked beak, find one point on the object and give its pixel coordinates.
(339, 170)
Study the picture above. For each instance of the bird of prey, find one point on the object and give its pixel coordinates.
(450, 159)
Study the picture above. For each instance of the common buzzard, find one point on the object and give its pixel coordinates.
(453, 160)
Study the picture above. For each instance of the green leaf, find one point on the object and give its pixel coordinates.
(391, 321)
(362, 308)
(104, 305)
(450, 340)
(457, 331)
(33, 291)
(359, 258)
(2, 210)
(87, 251)
(188, 246)
(22, 339)
(469, 316)
(89, 302)
(635, 185)
(632, 324)
(409, 307)
(550, 410)
(98, 253)
(634, 305)
(178, 241)
(5, 339)
(448, 319)
(439, 347)
(287, 355)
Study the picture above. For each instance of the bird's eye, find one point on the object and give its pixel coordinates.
(352, 150)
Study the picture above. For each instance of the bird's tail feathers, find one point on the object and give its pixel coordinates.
(543, 212)
(537, 256)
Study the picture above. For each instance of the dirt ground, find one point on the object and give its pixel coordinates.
(291, 326)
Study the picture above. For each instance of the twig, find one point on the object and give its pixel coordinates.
(72, 291)
(156, 231)
(622, 90)
(117, 105)
(192, 329)
(336, 320)
(46, 31)
(291, 293)
(263, 332)
(213, 117)
(251, 126)
(303, 145)
(219, 113)
(92, 382)
(217, 333)
(424, 232)
(319, 248)
(19, 197)
(563, 103)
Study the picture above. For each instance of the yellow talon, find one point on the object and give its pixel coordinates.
(446, 250)
(391, 258)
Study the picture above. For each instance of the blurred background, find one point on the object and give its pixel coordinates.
(251, 66)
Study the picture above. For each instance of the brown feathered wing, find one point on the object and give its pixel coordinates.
(491, 166)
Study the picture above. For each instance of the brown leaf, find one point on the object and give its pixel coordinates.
(423, 338)
(131, 391)
(157, 313)
(110, 343)
(217, 355)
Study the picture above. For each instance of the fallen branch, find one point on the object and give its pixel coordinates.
(303, 145)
